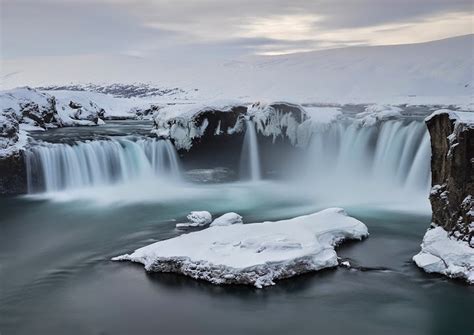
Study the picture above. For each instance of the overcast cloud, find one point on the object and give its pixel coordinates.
(221, 28)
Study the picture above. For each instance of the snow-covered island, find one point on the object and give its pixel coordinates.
(448, 246)
(253, 254)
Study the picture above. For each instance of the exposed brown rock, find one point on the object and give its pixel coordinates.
(452, 167)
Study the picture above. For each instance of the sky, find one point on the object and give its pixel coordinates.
(220, 28)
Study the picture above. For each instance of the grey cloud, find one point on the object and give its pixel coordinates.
(65, 27)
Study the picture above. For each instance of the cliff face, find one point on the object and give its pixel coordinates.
(13, 175)
(452, 167)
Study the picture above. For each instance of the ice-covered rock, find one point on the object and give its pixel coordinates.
(79, 110)
(441, 253)
(186, 124)
(227, 219)
(277, 119)
(196, 219)
(376, 113)
(30, 106)
(253, 254)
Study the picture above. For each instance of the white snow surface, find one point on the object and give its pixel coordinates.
(375, 113)
(464, 117)
(253, 254)
(443, 254)
(227, 219)
(437, 72)
(196, 219)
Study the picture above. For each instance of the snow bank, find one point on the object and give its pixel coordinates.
(227, 219)
(110, 106)
(253, 254)
(438, 72)
(196, 219)
(443, 254)
(376, 113)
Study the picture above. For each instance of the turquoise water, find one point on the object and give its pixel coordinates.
(57, 277)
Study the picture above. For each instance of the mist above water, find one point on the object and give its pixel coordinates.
(345, 164)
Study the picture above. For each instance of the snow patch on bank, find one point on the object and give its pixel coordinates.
(443, 254)
(253, 254)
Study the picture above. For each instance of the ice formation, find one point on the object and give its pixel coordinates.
(253, 254)
(441, 253)
(227, 219)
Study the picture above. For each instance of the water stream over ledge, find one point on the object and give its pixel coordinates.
(109, 196)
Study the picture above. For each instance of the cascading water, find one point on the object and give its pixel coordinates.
(346, 160)
(250, 158)
(100, 162)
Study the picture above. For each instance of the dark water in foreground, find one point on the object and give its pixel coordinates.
(56, 278)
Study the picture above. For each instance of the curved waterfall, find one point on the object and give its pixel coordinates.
(54, 167)
(343, 159)
(346, 158)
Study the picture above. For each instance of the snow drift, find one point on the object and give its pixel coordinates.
(443, 254)
(253, 254)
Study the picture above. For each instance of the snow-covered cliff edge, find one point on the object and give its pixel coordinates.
(448, 247)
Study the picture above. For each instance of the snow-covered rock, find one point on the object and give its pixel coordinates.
(118, 90)
(376, 113)
(196, 219)
(184, 123)
(30, 106)
(253, 254)
(441, 253)
(79, 111)
(227, 219)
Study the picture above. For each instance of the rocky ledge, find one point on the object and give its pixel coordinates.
(451, 197)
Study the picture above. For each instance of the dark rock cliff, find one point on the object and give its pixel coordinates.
(452, 167)
(13, 175)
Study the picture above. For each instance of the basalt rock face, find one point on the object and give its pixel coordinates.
(210, 136)
(215, 134)
(13, 175)
(452, 167)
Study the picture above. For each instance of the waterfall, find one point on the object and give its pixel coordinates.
(250, 158)
(348, 160)
(100, 162)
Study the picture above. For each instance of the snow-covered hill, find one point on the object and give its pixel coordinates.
(433, 72)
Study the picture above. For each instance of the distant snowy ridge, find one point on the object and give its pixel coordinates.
(253, 254)
(438, 72)
(118, 90)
